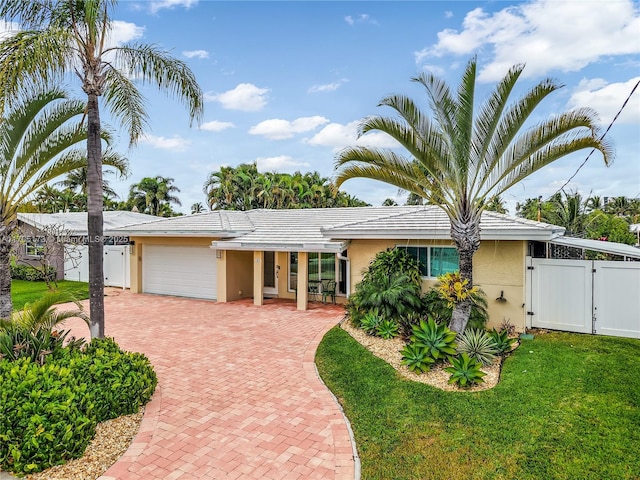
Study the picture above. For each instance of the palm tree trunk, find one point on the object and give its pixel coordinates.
(6, 304)
(466, 236)
(94, 224)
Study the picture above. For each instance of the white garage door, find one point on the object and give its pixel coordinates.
(180, 271)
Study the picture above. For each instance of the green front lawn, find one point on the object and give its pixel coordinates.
(23, 292)
(567, 407)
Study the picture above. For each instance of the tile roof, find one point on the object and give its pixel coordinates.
(330, 229)
(75, 223)
(219, 223)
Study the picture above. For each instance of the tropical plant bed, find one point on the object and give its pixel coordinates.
(389, 351)
(112, 439)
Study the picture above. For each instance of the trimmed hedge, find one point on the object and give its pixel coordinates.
(48, 413)
(32, 274)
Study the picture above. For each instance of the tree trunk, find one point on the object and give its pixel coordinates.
(466, 236)
(6, 304)
(94, 220)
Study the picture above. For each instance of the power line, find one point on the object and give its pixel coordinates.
(601, 137)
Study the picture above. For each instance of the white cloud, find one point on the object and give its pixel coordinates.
(280, 163)
(327, 87)
(245, 97)
(338, 136)
(157, 5)
(216, 126)
(123, 32)
(196, 54)
(276, 129)
(545, 34)
(448, 14)
(164, 143)
(607, 98)
(362, 18)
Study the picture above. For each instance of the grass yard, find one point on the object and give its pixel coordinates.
(23, 292)
(567, 407)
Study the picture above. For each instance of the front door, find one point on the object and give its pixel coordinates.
(270, 274)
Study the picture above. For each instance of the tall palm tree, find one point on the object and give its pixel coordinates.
(76, 181)
(496, 204)
(197, 207)
(65, 37)
(152, 193)
(42, 139)
(461, 157)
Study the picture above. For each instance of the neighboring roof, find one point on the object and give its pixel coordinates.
(598, 246)
(75, 223)
(219, 223)
(431, 222)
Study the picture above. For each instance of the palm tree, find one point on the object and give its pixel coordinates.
(153, 193)
(197, 207)
(62, 37)
(569, 212)
(76, 181)
(42, 140)
(460, 158)
(496, 204)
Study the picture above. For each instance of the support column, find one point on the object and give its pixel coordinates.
(258, 278)
(303, 280)
(221, 266)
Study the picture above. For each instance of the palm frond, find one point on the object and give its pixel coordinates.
(126, 103)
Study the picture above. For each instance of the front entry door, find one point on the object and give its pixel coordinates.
(270, 274)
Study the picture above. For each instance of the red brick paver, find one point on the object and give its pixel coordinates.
(238, 396)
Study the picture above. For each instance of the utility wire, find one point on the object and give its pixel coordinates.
(601, 137)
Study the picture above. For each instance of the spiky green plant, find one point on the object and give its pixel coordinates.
(465, 371)
(478, 344)
(387, 329)
(370, 322)
(417, 359)
(501, 340)
(437, 339)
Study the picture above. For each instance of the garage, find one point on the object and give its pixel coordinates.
(180, 271)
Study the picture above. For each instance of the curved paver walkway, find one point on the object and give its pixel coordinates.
(238, 395)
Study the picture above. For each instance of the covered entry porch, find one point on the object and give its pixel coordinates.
(300, 273)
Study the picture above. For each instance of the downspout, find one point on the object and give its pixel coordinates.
(348, 262)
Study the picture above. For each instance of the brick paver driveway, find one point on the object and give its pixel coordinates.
(238, 395)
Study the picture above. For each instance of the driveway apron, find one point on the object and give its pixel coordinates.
(238, 395)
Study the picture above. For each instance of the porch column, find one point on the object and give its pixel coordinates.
(303, 280)
(258, 278)
(221, 268)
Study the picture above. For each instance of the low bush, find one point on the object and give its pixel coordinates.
(53, 396)
(387, 329)
(437, 339)
(465, 371)
(502, 341)
(32, 274)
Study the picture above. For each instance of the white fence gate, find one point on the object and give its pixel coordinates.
(116, 265)
(585, 296)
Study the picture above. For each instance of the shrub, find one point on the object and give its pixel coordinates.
(465, 371)
(46, 416)
(387, 329)
(478, 344)
(406, 324)
(502, 341)
(119, 382)
(32, 274)
(438, 308)
(31, 332)
(391, 285)
(370, 322)
(437, 339)
(417, 359)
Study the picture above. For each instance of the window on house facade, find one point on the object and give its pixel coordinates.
(435, 261)
(34, 249)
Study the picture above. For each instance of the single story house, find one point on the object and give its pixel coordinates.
(63, 238)
(228, 255)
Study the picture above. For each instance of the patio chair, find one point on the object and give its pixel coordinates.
(328, 290)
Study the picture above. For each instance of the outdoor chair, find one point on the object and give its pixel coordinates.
(328, 290)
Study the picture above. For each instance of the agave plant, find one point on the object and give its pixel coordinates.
(32, 332)
(387, 329)
(370, 322)
(479, 345)
(437, 339)
(465, 371)
(417, 359)
(501, 339)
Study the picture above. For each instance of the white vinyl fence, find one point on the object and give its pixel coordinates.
(116, 265)
(585, 296)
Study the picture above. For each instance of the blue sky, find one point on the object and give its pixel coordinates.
(287, 82)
